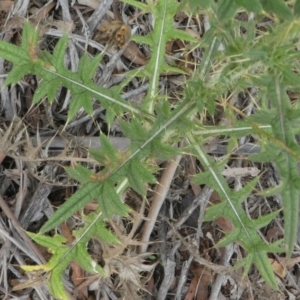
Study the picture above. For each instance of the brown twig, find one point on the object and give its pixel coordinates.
(160, 195)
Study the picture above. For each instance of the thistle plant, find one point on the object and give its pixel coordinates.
(236, 57)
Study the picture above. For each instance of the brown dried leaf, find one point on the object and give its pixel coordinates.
(289, 263)
(43, 12)
(133, 53)
(200, 283)
(225, 224)
(90, 3)
(6, 5)
(278, 268)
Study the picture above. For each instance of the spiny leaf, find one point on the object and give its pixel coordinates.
(265, 269)
(297, 8)
(268, 153)
(56, 286)
(80, 173)
(253, 6)
(245, 230)
(47, 241)
(239, 129)
(226, 10)
(247, 262)
(62, 255)
(263, 221)
(109, 201)
(194, 5)
(98, 230)
(88, 192)
(286, 163)
(13, 53)
(228, 239)
(87, 67)
(85, 261)
(278, 7)
(80, 99)
(31, 36)
(45, 89)
(59, 51)
(135, 132)
(139, 176)
(17, 73)
(107, 152)
(162, 32)
(162, 150)
(214, 211)
(53, 69)
(182, 35)
(275, 247)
